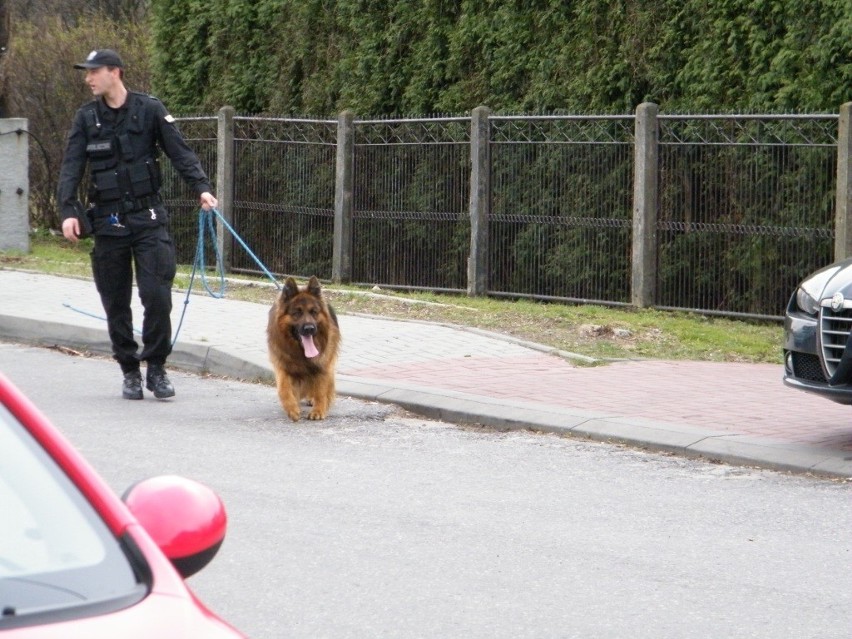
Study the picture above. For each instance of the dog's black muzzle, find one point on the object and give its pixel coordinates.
(305, 330)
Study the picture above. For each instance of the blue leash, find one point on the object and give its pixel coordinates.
(205, 221)
(100, 317)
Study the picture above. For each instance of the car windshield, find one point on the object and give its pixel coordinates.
(57, 556)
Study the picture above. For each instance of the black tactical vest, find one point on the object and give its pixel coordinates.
(124, 170)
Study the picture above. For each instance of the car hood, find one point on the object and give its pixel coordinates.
(829, 280)
(160, 616)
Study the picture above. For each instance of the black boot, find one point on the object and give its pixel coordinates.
(132, 387)
(158, 382)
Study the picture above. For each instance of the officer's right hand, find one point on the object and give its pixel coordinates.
(208, 201)
(71, 229)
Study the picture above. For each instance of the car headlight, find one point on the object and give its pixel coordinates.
(806, 302)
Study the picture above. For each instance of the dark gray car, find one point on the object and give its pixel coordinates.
(817, 347)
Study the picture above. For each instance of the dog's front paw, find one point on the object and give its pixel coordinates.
(316, 414)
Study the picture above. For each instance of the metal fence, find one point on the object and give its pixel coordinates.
(745, 204)
(561, 207)
(746, 209)
(284, 194)
(411, 227)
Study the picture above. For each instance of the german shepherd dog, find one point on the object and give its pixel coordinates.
(303, 339)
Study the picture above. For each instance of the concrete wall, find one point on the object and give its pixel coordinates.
(14, 185)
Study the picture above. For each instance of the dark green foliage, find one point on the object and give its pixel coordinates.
(435, 56)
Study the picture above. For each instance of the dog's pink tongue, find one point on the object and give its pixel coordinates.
(308, 346)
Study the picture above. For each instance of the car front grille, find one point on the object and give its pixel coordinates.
(834, 327)
(807, 366)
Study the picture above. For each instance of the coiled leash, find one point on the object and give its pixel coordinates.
(206, 221)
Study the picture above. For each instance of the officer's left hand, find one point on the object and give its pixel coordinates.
(208, 201)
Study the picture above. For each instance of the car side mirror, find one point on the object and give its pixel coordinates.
(186, 519)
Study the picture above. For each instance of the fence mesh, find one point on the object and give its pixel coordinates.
(411, 188)
(745, 210)
(284, 194)
(561, 207)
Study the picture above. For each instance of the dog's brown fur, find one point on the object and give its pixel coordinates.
(299, 313)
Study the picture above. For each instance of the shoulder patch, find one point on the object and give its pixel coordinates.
(169, 118)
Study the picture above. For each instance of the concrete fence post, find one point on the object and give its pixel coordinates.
(225, 181)
(843, 205)
(341, 267)
(14, 185)
(645, 177)
(480, 201)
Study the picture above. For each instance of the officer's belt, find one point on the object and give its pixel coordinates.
(119, 207)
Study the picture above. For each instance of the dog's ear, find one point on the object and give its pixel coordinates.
(290, 290)
(314, 286)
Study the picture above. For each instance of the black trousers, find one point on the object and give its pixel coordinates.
(151, 253)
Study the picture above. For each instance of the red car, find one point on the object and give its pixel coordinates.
(77, 561)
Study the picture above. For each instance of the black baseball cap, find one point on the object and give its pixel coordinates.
(100, 58)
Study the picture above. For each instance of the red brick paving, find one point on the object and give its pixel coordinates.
(748, 399)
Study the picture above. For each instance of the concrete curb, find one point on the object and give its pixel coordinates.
(685, 440)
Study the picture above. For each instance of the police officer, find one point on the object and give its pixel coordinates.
(119, 135)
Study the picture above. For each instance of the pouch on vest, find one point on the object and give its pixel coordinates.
(105, 186)
(125, 147)
(156, 175)
(137, 120)
(141, 182)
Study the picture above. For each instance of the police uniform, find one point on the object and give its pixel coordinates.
(127, 215)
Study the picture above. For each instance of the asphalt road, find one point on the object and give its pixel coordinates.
(377, 523)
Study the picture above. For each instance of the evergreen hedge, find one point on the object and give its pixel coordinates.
(434, 56)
